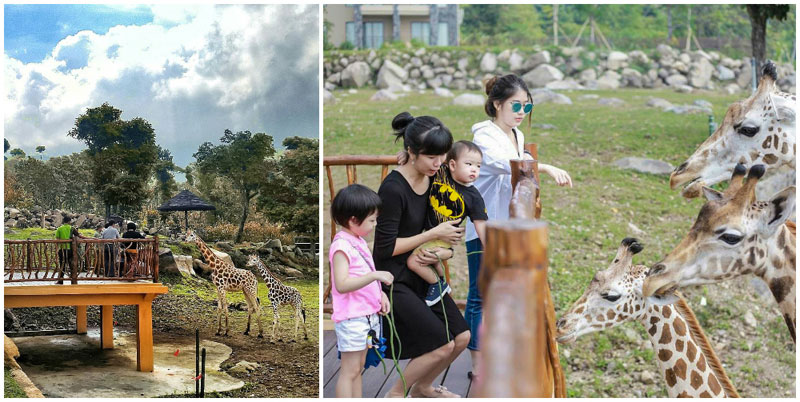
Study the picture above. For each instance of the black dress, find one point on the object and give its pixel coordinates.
(421, 329)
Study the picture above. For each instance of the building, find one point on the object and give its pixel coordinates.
(369, 26)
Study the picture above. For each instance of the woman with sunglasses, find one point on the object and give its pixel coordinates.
(500, 141)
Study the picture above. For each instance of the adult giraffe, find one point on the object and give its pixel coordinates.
(757, 130)
(684, 356)
(734, 235)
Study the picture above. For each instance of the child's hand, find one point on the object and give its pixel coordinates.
(442, 253)
(383, 276)
(449, 231)
(385, 305)
(560, 176)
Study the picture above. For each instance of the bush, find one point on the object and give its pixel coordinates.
(257, 230)
(346, 45)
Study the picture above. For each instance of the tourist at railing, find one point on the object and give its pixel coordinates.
(422, 330)
(65, 232)
(110, 249)
(131, 249)
(500, 140)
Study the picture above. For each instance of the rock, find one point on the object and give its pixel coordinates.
(10, 223)
(443, 92)
(536, 59)
(639, 57)
(224, 246)
(291, 272)
(647, 377)
(635, 229)
(446, 79)
(688, 109)
(615, 102)
(488, 62)
(328, 98)
(700, 73)
(13, 213)
(427, 72)
(504, 55)
(543, 126)
(469, 100)
(542, 75)
(391, 76)
(731, 89)
(223, 255)
(703, 103)
(644, 165)
(201, 268)
(274, 243)
(588, 74)
(10, 323)
(632, 78)
(616, 60)
(80, 221)
(745, 76)
(659, 102)
(686, 89)
(609, 80)
(434, 82)
(665, 50)
(383, 95)
(175, 264)
(543, 95)
(724, 73)
(463, 63)
(680, 67)
(515, 62)
(244, 367)
(568, 84)
(589, 96)
(676, 80)
(356, 74)
(750, 320)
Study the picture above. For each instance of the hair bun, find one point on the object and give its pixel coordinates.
(400, 123)
(489, 84)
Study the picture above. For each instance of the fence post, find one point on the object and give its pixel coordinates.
(74, 262)
(155, 257)
(524, 188)
(29, 257)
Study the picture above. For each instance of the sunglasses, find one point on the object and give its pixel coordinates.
(516, 106)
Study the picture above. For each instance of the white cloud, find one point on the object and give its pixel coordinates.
(194, 72)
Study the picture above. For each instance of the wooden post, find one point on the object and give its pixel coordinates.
(533, 149)
(689, 27)
(155, 262)
(80, 319)
(107, 327)
(524, 189)
(74, 268)
(555, 25)
(186, 220)
(144, 336)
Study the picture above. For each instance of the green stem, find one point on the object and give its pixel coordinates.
(392, 335)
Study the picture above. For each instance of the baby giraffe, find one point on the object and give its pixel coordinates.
(280, 294)
(684, 355)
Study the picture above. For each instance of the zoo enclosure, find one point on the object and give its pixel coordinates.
(84, 260)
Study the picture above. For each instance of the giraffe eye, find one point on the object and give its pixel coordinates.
(731, 238)
(610, 297)
(748, 130)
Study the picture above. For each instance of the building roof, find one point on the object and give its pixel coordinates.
(186, 201)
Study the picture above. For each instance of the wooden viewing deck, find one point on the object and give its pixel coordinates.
(32, 269)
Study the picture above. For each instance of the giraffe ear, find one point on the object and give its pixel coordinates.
(779, 209)
(711, 194)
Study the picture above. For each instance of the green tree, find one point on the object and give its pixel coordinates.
(7, 145)
(123, 154)
(77, 193)
(40, 150)
(164, 172)
(759, 14)
(17, 152)
(41, 181)
(237, 159)
(290, 186)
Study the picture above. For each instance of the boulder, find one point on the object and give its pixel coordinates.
(488, 62)
(536, 59)
(274, 243)
(542, 75)
(80, 221)
(463, 63)
(703, 103)
(446, 79)
(665, 51)
(616, 60)
(589, 96)
(644, 165)
(543, 95)
(700, 73)
(639, 56)
(614, 102)
(731, 89)
(223, 256)
(571, 51)
(504, 55)
(224, 246)
(176, 264)
(328, 98)
(688, 109)
(609, 80)
(632, 78)
(356, 74)
(443, 92)
(659, 103)
(434, 82)
(745, 76)
(680, 67)
(334, 78)
(244, 367)
(291, 272)
(588, 74)
(10, 223)
(383, 95)
(724, 73)
(469, 100)
(515, 62)
(568, 84)
(391, 76)
(676, 80)
(201, 268)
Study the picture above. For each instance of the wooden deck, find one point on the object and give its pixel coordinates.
(376, 383)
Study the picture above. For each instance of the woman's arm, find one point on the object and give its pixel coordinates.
(561, 176)
(345, 283)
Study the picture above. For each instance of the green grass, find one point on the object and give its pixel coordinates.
(587, 222)
(11, 388)
(40, 234)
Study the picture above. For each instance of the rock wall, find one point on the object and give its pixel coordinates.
(570, 68)
(23, 218)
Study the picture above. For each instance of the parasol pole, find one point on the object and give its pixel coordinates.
(186, 219)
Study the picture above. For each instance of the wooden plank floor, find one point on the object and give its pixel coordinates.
(376, 383)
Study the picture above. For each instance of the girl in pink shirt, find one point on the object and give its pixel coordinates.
(356, 291)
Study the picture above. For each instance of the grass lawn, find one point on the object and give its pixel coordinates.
(587, 223)
(11, 388)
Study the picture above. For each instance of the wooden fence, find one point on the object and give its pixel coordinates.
(80, 260)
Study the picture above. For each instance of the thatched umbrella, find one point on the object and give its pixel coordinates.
(186, 201)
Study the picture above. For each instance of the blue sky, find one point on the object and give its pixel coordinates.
(192, 71)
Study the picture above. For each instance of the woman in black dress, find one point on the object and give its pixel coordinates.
(423, 335)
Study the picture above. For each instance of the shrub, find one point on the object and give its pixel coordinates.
(346, 45)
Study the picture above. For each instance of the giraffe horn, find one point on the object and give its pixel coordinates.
(737, 179)
(746, 194)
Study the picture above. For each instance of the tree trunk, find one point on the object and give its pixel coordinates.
(555, 24)
(246, 208)
(669, 24)
(758, 36)
(395, 23)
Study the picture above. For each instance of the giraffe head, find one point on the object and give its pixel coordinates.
(757, 130)
(253, 260)
(728, 238)
(614, 296)
(191, 236)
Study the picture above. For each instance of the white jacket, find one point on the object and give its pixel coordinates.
(494, 180)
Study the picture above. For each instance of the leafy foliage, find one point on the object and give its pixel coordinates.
(17, 152)
(290, 186)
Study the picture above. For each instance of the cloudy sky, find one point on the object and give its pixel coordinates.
(191, 71)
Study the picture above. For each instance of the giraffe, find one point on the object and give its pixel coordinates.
(734, 235)
(280, 294)
(227, 278)
(756, 130)
(684, 356)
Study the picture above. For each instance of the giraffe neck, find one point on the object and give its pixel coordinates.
(681, 361)
(779, 273)
(268, 278)
(209, 255)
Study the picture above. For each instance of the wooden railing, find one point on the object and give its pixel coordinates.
(520, 356)
(80, 260)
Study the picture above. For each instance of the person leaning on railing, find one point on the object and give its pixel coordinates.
(109, 249)
(131, 249)
(65, 232)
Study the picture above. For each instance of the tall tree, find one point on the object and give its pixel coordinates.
(290, 186)
(165, 179)
(40, 150)
(17, 152)
(123, 155)
(759, 14)
(7, 145)
(237, 159)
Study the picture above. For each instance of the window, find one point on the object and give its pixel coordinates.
(350, 32)
(442, 39)
(421, 31)
(373, 34)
